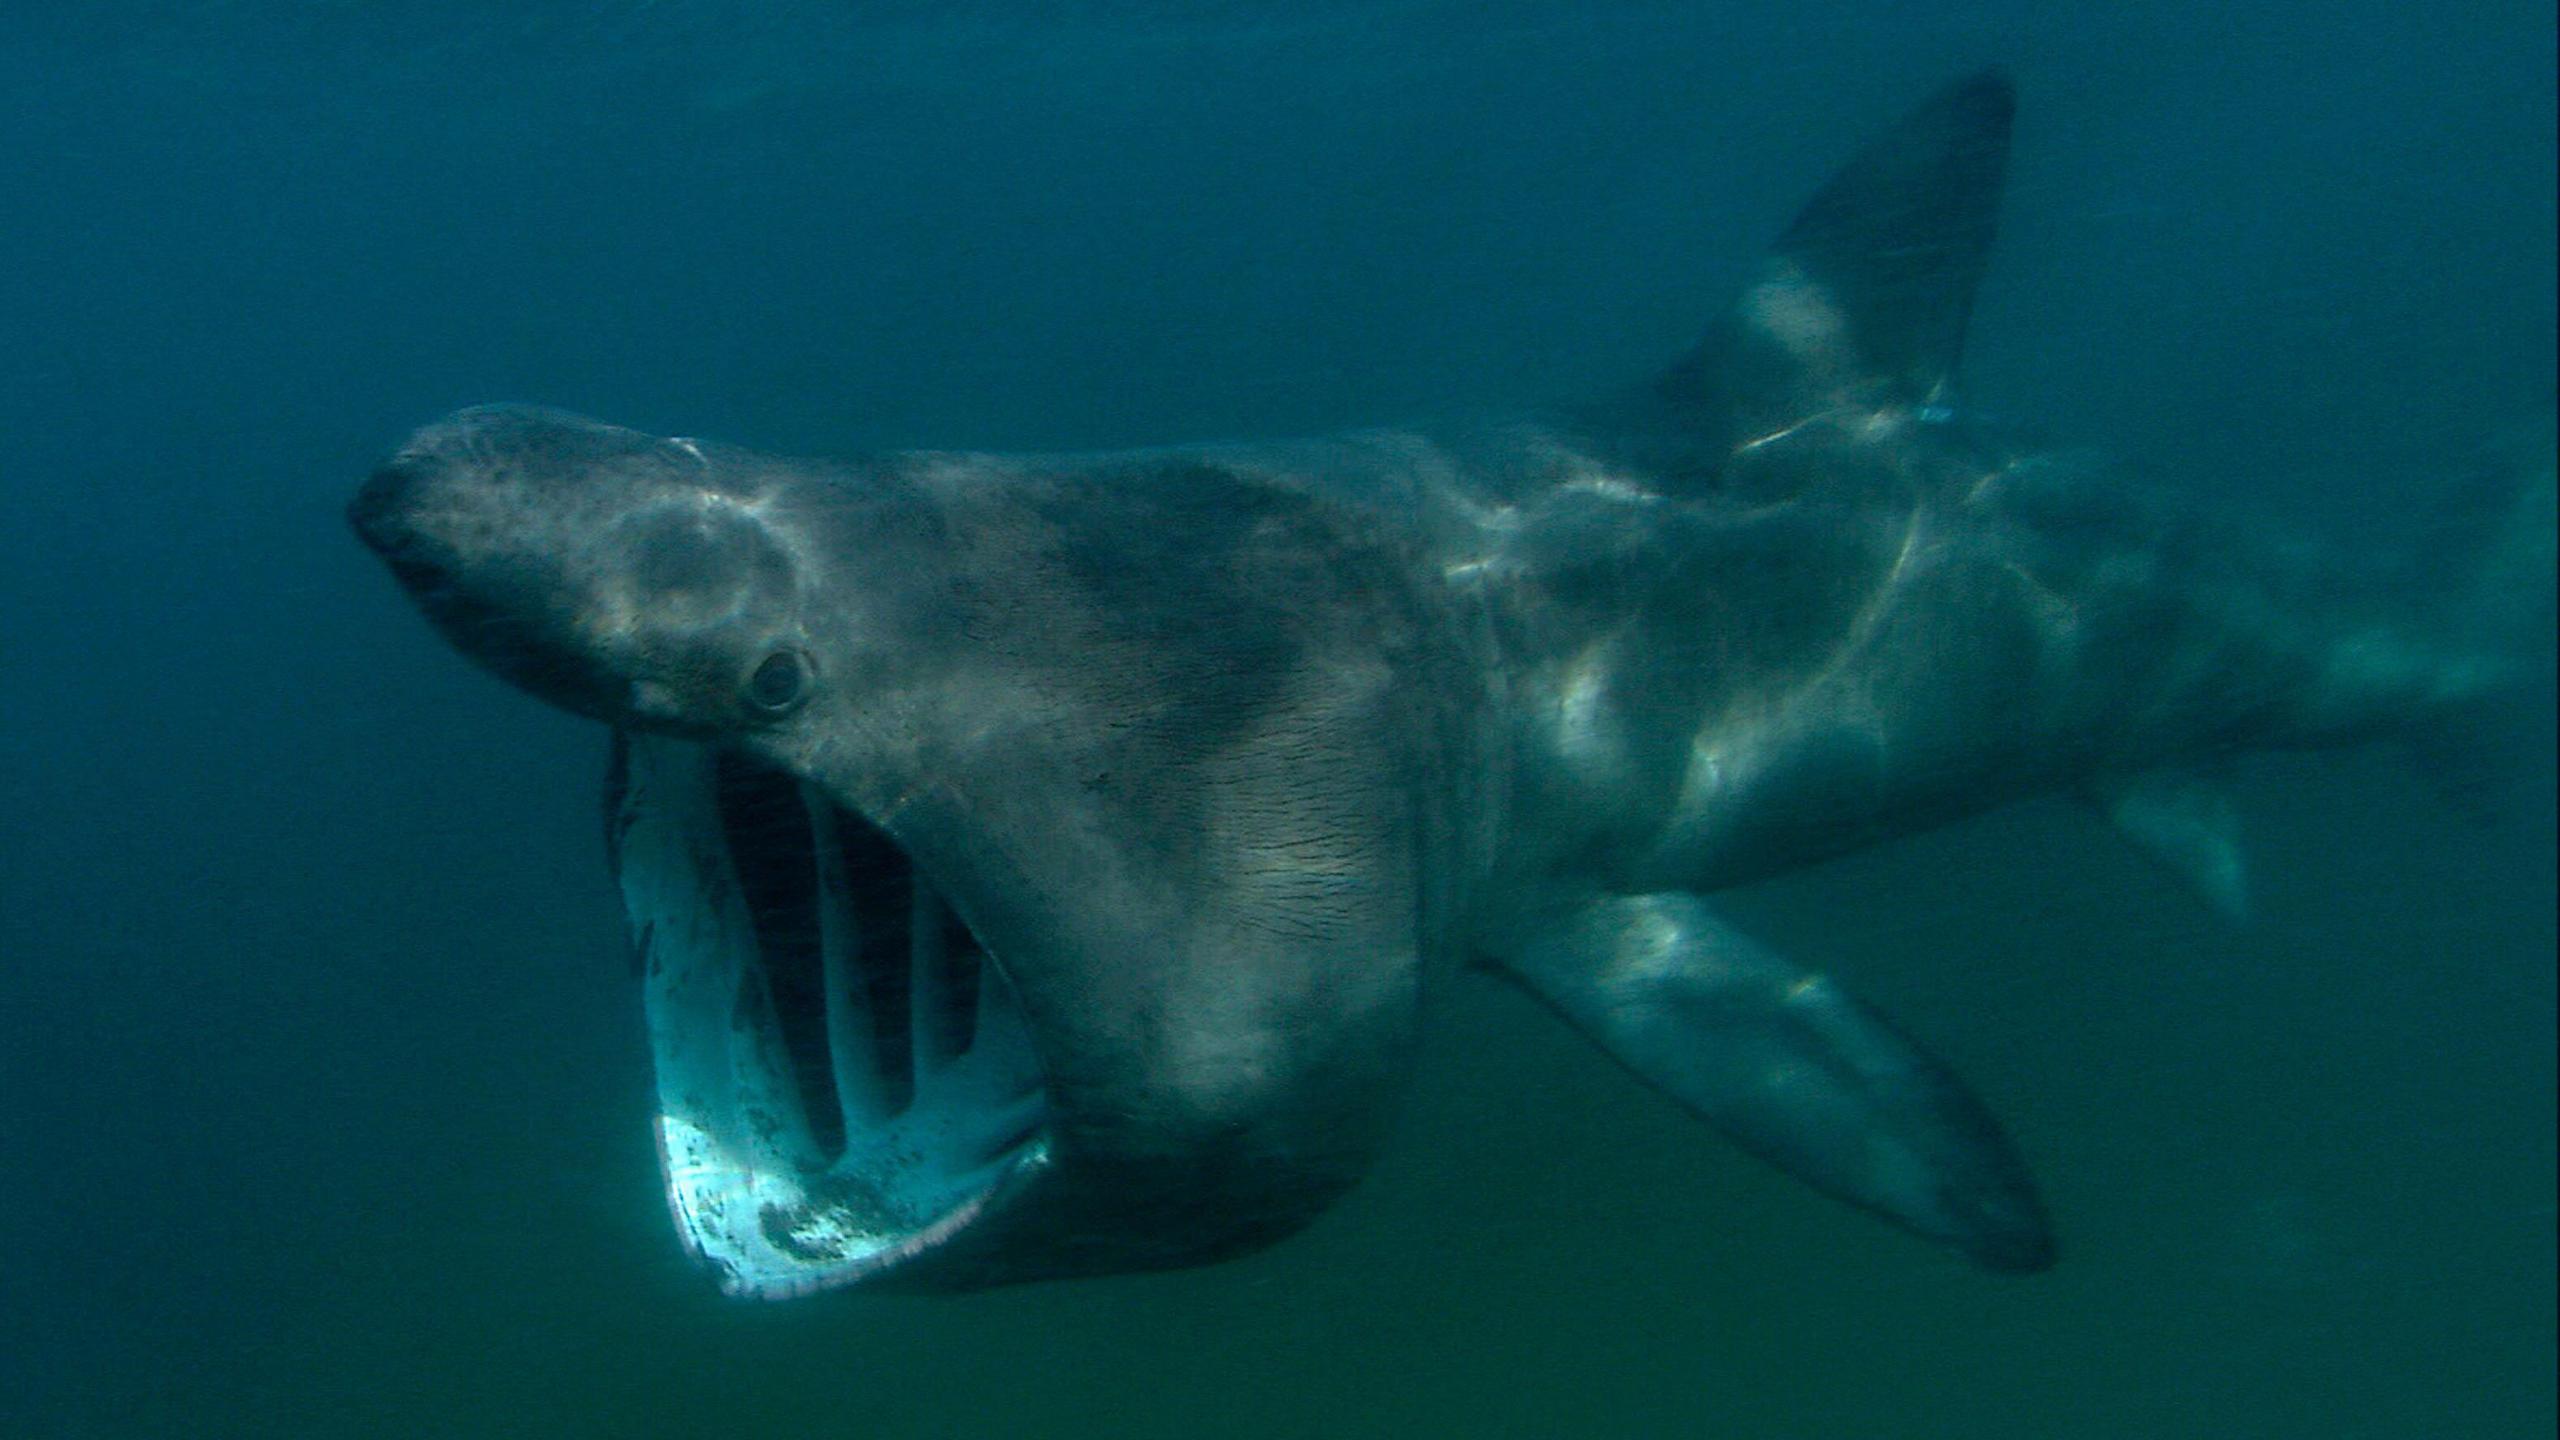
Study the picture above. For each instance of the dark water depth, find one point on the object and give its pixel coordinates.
(322, 1090)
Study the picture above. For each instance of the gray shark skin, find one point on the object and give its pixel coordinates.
(1037, 864)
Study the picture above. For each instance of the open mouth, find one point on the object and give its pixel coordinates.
(845, 1080)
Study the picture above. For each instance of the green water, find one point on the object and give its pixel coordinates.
(322, 1088)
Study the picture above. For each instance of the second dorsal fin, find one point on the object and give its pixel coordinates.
(1864, 299)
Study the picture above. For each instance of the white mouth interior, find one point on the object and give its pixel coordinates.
(844, 1078)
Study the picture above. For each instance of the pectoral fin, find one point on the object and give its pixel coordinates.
(1788, 1066)
(2187, 824)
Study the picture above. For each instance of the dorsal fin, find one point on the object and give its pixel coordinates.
(1864, 300)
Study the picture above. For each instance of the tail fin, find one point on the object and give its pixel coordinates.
(2506, 611)
(1864, 300)
(2504, 558)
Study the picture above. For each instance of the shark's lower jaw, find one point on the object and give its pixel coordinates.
(845, 1083)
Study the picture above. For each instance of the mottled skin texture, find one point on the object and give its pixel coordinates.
(1178, 747)
(1230, 754)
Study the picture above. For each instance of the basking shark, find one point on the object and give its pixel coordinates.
(1039, 865)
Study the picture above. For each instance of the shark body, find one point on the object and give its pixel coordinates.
(1038, 863)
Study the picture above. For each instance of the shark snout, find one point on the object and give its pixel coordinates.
(383, 515)
(433, 517)
(469, 494)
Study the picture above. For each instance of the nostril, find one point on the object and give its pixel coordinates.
(422, 578)
(385, 515)
(380, 509)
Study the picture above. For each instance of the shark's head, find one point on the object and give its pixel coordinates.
(638, 580)
(990, 925)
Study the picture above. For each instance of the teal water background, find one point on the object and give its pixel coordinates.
(322, 1091)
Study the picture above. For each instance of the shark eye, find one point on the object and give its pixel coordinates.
(779, 684)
